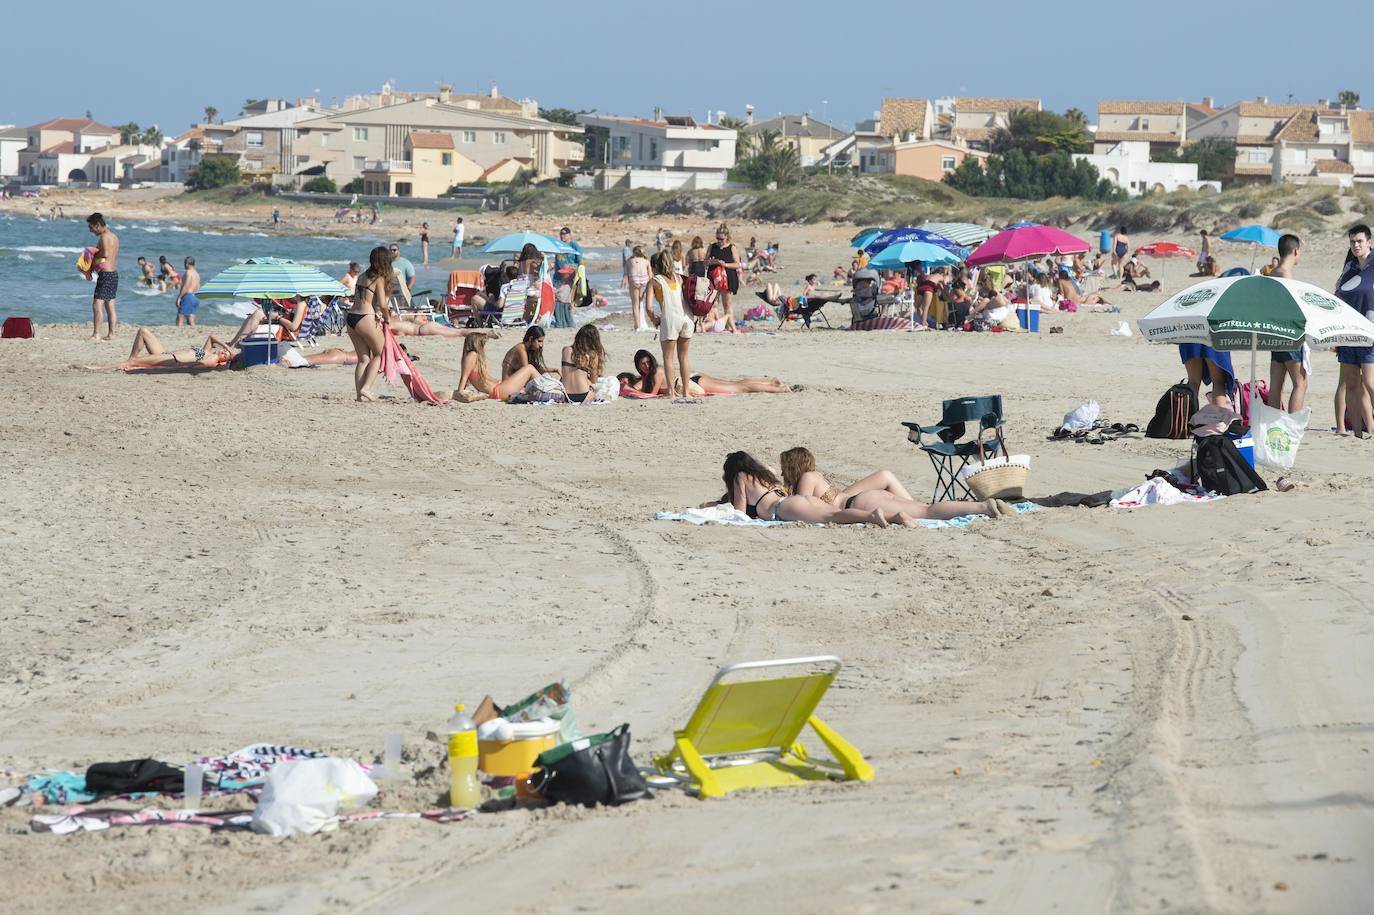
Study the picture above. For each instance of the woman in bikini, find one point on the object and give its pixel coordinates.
(755, 490)
(637, 272)
(650, 380)
(474, 372)
(529, 351)
(880, 489)
(583, 363)
(148, 351)
(366, 318)
(1093, 301)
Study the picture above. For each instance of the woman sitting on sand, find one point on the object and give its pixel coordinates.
(1093, 301)
(529, 351)
(582, 363)
(148, 351)
(651, 381)
(754, 489)
(992, 306)
(880, 489)
(474, 372)
(1135, 277)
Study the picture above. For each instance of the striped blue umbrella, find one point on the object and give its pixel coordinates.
(270, 278)
(908, 233)
(961, 233)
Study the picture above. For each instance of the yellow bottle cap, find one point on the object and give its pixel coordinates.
(460, 708)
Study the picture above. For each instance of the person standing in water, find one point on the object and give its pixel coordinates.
(187, 302)
(105, 266)
(424, 244)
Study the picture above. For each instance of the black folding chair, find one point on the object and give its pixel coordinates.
(949, 450)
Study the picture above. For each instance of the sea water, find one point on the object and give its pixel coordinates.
(38, 275)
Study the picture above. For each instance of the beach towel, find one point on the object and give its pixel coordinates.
(396, 363)
(729, 515)
(882, 322)
(1157, 491)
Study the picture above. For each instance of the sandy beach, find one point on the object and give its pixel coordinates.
(1076, 710)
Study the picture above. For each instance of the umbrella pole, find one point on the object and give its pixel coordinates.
(1254, 390)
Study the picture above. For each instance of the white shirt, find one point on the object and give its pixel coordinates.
(458, 234)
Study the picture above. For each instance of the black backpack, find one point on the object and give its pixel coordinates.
(1219, 467)
(1172, 413)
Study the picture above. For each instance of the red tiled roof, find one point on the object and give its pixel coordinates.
(424, 139)
(995, 104)
(1334, 167)
(61, 149)
(1109, 106)
(1116, 136)
(85, 125)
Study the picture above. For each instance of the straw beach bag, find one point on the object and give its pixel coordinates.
(997, 478)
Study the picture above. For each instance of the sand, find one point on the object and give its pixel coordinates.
(1080, 710)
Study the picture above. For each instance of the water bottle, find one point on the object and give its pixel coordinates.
(463, 790)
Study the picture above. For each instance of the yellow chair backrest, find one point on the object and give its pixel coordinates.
(752, 715)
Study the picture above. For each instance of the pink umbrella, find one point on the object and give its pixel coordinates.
(1025, 241)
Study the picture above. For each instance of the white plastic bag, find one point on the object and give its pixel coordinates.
(606, 389)
(1277, 434)
(1082, 417)
(305, 795)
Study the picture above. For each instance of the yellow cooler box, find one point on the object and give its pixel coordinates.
(510, 748)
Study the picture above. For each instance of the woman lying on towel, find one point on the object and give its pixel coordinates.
(406, 328)
(880, 489)
(651, 381)
(474, 372)
(754, 489)
(149, 352)
(1093, 301)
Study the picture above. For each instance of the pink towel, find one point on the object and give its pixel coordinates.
(395, 362)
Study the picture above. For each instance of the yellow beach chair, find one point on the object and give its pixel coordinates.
(743, 733)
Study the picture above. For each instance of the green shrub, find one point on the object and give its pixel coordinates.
(1329, 205)
(320, 185)
(212, 172)
(1252, 210)
(354, 187)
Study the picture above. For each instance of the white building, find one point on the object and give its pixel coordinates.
(1127, 165)
(868, 150)
(12, 139)
(180, 155)
(666, 153)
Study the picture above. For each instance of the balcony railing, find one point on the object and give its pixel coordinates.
(400, 166)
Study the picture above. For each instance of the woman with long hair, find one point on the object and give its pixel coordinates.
(755, 490)
(529, 351)
(724, 253)
(637, 271)
(367, 317)
(583, 362)
(474, 371)
(675, 324)
(880, 489)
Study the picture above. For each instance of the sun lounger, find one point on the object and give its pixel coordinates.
(744, 731)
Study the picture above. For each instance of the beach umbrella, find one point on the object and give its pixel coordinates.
(1165, 249)
(515, 242)
(1253, 235)
(910, 233)
(1256, 313)
(896, 257)
(961, 233)
(1027, 240)
(270, 278)
(864, 236)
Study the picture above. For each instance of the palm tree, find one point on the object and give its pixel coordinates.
(1076, 117)
(129, 133)
(211, 112)
(743, 139)
(151, 137)
(1348, 98)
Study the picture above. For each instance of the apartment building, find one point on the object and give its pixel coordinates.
(667, 152)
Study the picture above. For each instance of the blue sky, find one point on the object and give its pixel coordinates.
(161, 62)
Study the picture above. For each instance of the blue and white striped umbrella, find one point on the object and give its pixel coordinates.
(270, 278)
(961, 233)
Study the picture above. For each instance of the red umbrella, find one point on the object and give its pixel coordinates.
(1165, 249)
(1025, 240)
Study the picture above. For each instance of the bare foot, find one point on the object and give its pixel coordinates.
(878, 518)
(95, 336)
(906, 520)
(364, 397)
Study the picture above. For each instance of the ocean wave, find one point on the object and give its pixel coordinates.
(25, 257)
(152, 229)
(46, 249)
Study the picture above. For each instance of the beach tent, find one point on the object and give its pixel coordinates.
(864, 236)
(1256, 313)
(1025, 240)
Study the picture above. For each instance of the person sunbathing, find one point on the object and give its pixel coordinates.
(148, 351)
(1134, 277)
(582, 363)
(810, 299)
(1208, 267)
(287, 318)
(1092, 301)
(651, 381)
(474, 372)
(755, 490)
(404, 327)
(880, 489)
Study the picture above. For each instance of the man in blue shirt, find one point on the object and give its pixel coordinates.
(565, 265)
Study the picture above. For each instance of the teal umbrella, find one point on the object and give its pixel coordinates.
(1254, 234)
(862, 239)
(896, 257)
(515, 242)
(270, 278)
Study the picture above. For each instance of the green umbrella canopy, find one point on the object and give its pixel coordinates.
(1256, 312)
(270, 278)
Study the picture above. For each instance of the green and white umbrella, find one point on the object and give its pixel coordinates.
(965, 234)
(1257, 313)
(270, 278)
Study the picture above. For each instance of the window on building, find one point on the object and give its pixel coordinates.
(947, 163)
(469, 136)
(446, 158)
(360, 133)
(498, 137)
(1256, 156)
(621, 150)
(359, 163)
(253, 139)
(302, 160)
(324, 139)
(653, 149)
(1144, 123)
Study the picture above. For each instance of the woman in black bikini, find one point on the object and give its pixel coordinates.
(583, 363)
(754, 489)
(650, 380)
(424, 244)
(880, 489)
(366, 318)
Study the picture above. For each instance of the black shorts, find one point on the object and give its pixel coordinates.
(106, 285)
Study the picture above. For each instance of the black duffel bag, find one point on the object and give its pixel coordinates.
(591, 770)
(134, 775)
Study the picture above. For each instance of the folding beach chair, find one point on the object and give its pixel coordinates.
(743, 733)
(315, 323)
(515, 295)
(947, 448)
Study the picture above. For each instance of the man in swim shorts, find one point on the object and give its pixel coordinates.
(1288, 365)
(105, 264)
(187, 302)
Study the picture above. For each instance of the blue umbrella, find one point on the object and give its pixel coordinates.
(864, 237)
(270, 278)
(1255, 235)
(895, 257)
(516, 241)
(907, 233)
